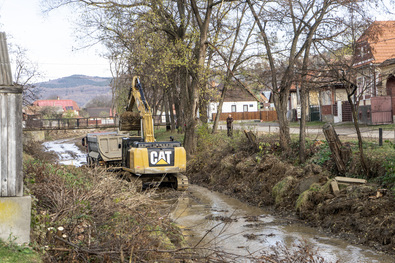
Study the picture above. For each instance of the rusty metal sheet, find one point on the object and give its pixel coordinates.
(381, 118)
(382, 110)
(381, 104)
(326, 109)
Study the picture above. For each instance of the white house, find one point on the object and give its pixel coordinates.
(237, 99)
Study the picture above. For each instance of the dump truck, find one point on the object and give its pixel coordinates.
(103, 148)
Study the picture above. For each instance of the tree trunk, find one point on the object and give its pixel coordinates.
(281, 103)
(180, 102)
(198, 78)
(191, 120)
(302, 133)
(219, 109)
(360, 141)
(171, 103)
(203, 105)
(167, 118)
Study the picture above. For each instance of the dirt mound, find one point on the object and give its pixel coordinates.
(358, 214)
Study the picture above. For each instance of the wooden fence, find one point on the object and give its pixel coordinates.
(250, 115)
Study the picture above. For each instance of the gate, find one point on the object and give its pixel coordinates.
(315, 113)
(346, 111)
(364, 114)
(381, 110)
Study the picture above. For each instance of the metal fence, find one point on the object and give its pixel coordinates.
(32, 124)
(69, 124)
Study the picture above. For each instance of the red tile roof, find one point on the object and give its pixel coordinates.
(380, 37)
(65, 104)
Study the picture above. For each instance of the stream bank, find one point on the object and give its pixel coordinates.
(267, 179)
(213, 219)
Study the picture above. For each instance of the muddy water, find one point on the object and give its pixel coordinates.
(249, 229)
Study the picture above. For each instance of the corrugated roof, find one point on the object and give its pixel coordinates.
(380, 37)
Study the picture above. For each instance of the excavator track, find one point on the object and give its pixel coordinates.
(176, 181)
(182, 182)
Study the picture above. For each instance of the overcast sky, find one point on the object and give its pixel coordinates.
(49, 40)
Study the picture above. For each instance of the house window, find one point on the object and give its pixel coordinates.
(233, 108)
(251, 105)
(245, 108)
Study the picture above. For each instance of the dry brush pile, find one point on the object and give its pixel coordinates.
(82, 215)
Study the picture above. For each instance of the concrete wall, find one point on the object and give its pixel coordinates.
(15, 219)
(33, 136)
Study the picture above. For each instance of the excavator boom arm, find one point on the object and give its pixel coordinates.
(137, 97)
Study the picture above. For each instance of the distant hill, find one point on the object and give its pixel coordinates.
(79, 88)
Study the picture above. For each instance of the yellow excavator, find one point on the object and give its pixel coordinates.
(143, 156)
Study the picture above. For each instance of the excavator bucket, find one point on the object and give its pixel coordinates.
(129, 121)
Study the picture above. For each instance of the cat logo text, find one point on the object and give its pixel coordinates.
(162, 157)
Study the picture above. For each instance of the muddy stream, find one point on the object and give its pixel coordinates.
(242, 229)
(235, 227)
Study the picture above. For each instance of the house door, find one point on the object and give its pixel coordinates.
(339, 117)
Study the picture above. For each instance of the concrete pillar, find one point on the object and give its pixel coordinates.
(14, 207)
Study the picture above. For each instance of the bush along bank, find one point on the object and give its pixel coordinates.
(264, 176)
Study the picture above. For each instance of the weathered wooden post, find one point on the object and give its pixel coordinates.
(14, 207)
(340, 154)
(380, 136)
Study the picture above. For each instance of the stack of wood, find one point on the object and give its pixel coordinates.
(339, 180)
(129, 121)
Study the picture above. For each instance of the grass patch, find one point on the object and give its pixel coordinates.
(282, 189)
(11, 253)
(161, 135)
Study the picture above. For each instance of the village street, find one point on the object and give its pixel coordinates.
(349, 131)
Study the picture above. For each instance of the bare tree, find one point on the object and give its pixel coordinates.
(26, 73)
(234, 56)
(288, 30)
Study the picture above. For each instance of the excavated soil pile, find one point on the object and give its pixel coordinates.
(265, 179)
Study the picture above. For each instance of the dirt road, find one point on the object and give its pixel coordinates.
(272, 127)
